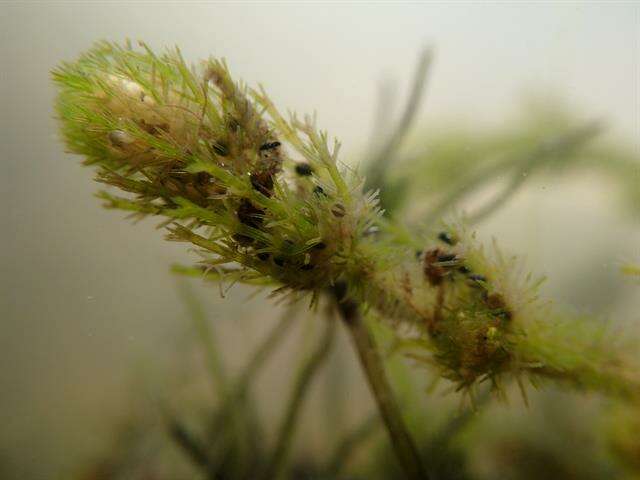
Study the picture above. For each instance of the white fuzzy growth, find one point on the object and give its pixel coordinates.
(129, 100)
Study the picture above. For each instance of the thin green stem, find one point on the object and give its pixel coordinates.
(381, 162)
(193, 448)
(214, 362)
(265, 349)
(458, 422)
(350, 442)
(240, 392)
(308, 370)
(524, 163)
(373, 368)
(536, 158)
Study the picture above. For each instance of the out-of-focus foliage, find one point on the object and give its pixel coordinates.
(631, 270)
(450, 163)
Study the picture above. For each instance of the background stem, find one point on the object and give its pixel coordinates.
(350, 443)
(278, 460)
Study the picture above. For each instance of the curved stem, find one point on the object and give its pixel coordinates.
(287, 428)
(351, 442)
(240, 390)
(373, 367)
(526, 163)
(380, 164)
(265, 349)
(537, 158)
(192, 447)
(239, 396)
(213, 358)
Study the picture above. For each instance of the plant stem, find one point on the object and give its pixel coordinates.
(373, 368)
(351, 442)
(543, 152)
(375, 177)
(537, 158)
(193, 448)
(240, 392)
(215, 365)
(264, 350)
(213, 359)
(306, 373)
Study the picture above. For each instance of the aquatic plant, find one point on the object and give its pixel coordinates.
(266, 201)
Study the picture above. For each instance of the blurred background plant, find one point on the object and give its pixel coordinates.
(164, 428)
